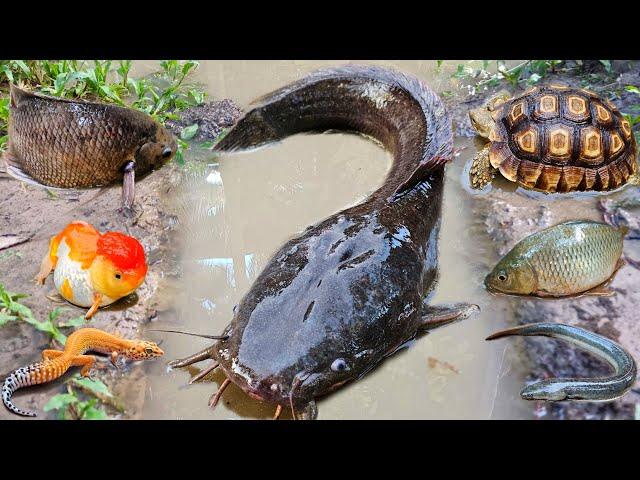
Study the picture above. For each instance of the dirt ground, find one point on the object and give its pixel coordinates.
(510, 215)
(32, 214)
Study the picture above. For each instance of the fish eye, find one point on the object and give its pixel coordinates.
(339, 365)
(118, 276)
(148, 350)
(502, 276)
(166, 153)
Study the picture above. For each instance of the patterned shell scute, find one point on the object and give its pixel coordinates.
(558, 138)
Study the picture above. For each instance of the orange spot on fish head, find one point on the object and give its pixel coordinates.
(120, 265)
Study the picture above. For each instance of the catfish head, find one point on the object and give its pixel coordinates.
(324, 311)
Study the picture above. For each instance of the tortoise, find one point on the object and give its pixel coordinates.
(554, 138)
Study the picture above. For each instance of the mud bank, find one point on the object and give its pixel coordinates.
(510, 214)
(34, 215)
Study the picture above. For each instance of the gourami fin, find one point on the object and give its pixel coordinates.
(16, 94)
(14, 169)
(599, 291)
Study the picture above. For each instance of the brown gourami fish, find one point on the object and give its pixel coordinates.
(572, 258)
(62, 143)
(349, 291)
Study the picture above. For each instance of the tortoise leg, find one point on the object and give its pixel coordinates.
(634, 179)
(481, 172)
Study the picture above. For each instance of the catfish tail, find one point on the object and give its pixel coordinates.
(396, 109)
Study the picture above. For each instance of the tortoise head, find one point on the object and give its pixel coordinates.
(481, 117)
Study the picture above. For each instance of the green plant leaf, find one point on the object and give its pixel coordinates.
(4, 318)
(632, 89)
(73, 322)
(94, 385)
(16, 296)
(607, 65)
(93, 413)
(189, 132)
(23, 66)
(59, 401)
(55, 313)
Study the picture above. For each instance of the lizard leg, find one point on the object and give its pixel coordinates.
(84, 361)
(114, 359)
(49, 354)
(97, 298)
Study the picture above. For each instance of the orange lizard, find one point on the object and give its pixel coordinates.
(93, 269)
(55, 362)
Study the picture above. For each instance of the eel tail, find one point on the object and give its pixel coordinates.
(588, 389)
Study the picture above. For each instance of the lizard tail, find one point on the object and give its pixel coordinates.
(17, 379)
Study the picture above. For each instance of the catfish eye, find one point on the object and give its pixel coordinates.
(118, 276)
(148, 351)
(502, 276)
(339, 365)
(166, 153)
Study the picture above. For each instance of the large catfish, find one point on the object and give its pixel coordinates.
(350, 290)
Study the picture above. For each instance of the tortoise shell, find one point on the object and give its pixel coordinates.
(560, 139)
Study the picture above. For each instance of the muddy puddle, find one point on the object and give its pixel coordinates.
(233, 212)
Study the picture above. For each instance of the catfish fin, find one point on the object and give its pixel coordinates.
(310, 412)
(434, 316)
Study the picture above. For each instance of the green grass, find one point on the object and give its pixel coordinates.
(11, 310)
(527, 73)
(495, 72)
(161, 95)
(82, 400)
(633, 113)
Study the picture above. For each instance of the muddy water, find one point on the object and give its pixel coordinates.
(233, 212)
